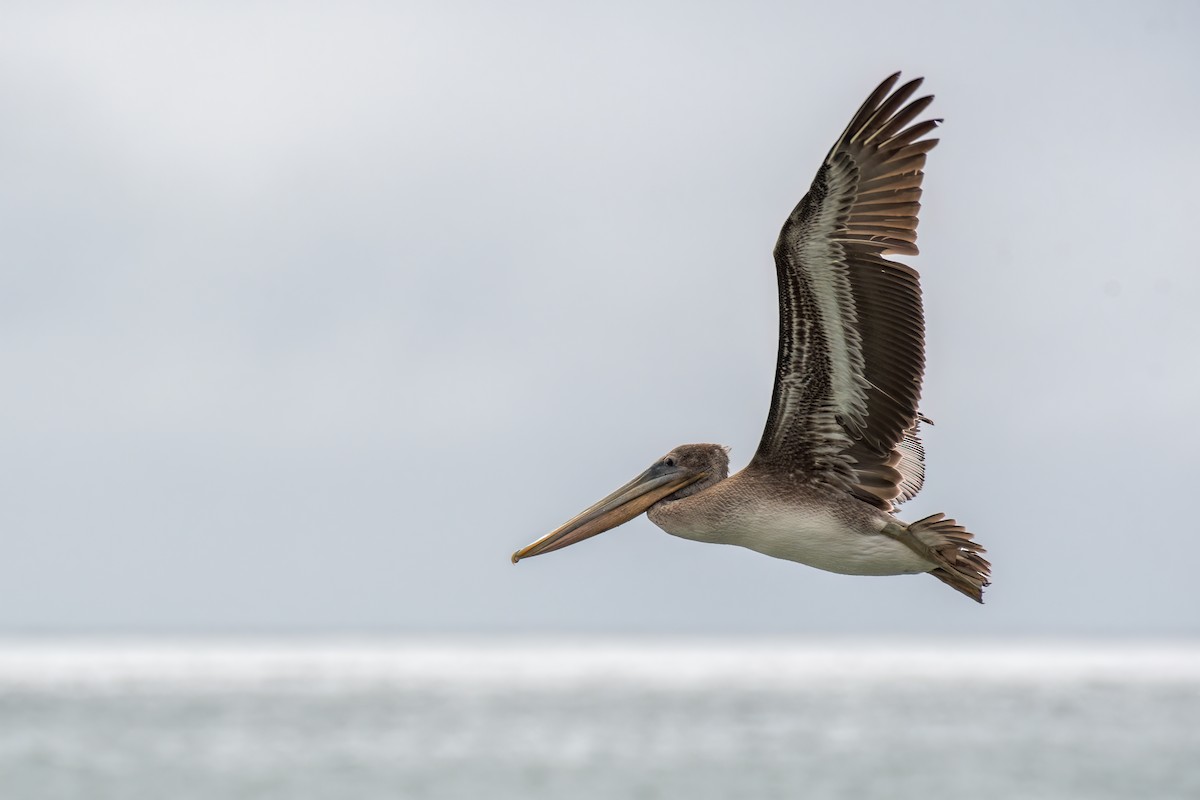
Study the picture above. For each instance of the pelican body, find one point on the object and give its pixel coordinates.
(798, 521)
(842, 447)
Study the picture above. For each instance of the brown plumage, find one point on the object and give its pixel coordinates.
(841, 447)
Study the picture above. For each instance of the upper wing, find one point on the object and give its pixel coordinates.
(851, 331)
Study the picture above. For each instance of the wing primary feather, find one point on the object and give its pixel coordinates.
(902, 166)
(889, 107)
(888, 209)
(902, 118)
(915, 132)
(907, 181)
(868, 107)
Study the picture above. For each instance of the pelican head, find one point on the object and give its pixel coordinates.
(686, 470)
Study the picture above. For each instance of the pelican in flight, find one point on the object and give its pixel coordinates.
(841, 447)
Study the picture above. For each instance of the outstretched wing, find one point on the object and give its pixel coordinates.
(851, 330)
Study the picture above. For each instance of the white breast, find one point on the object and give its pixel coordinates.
(815, 537)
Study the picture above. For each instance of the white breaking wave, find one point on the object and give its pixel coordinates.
(532, 664)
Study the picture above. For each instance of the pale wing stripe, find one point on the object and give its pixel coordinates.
(824, 268)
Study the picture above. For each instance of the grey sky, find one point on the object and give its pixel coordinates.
(311, 314)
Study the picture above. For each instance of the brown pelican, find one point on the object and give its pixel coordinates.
(841, 448)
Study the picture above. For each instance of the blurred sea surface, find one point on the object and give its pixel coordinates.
(596, 718)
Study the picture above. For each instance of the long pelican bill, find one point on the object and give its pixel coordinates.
(618, 508)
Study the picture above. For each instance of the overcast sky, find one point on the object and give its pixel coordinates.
(311, 314)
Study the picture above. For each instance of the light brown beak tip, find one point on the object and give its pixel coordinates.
(516, 556)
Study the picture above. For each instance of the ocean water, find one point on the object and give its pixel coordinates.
(596, 719)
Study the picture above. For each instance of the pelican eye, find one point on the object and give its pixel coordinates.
(668, 461)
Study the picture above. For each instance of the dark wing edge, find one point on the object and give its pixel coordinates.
(910, 463)
(851, 328)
